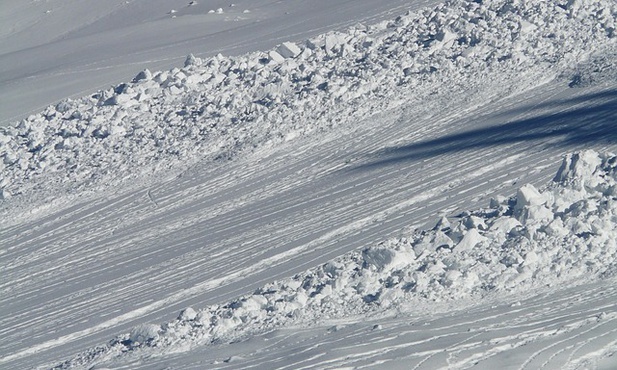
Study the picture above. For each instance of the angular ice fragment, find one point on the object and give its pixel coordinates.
(288, 50)
(144, 333)
(470, 240)
(143, 76)
(276, 57)
(188, 314)
(528, 195)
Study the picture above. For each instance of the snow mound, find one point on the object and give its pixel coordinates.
(564, 233)
(222, 106)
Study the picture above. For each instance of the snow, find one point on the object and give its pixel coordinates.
(335, 201)
(468, 259)
(70, 48)
(229, 104)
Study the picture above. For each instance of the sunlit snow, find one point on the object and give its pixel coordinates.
(297, 184)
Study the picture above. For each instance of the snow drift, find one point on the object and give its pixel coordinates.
(561, 234)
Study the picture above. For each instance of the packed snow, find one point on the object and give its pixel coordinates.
(306, 174)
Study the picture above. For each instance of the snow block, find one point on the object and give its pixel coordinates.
(143, 76)
(526, 26)
(504, 225)
(470, 240)
(527, 196)
(446, 37)
(188, 314)
(144, 333)
(276, 57)
(578, 167)
(333, 41)
(191, 60)
(288, 50)
(385, 259)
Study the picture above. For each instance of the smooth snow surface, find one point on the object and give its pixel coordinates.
(437, 190)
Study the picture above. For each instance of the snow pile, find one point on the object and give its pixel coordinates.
(221, 106)
(562, 234)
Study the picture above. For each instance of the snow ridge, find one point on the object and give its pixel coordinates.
(220, 107)
(561, 234)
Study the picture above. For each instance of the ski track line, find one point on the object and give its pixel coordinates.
(489, 337)
(298, 251)
(352, 226)
(200, 288)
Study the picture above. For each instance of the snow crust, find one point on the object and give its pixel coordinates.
(222, 106)
(563, 233)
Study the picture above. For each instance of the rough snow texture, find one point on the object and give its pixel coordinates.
(222, 106)
(564, 233)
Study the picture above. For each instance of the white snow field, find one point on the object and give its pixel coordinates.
(435, 190)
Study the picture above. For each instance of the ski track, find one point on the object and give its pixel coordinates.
(123, 251)
(81, 270)
(561, 328)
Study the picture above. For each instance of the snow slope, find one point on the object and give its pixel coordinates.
(50, 50)
(537, 239)
(197, 186)
(227, 104)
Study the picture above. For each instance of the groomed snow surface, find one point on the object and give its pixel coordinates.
(288, 172)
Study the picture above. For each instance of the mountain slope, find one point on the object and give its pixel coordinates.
(68, 48)
(116, 216)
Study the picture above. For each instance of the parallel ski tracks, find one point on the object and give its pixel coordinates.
(93, 270)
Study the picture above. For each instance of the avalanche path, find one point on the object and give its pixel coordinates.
(568, 329)
(468, 119)
(90, 270)
(81, 47)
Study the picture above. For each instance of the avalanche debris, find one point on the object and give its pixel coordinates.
(561, 234)
(222, 106)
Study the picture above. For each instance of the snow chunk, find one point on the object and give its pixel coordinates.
(288, 50)
(446, 38)
(144, 333)
(333, 41)
(504, 224)
(276, 57)
(191, 60)
(187, 314)
(526, 26)
(578, 168)
(385, 259)
(527, 196)
(471, 238)
(144, 75)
